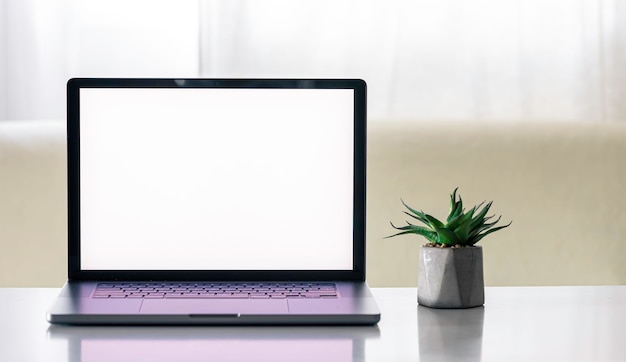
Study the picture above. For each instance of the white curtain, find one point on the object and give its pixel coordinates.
(534, 60)
(460, 60)
(43, 43)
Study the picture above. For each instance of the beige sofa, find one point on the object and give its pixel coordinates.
(563, 185)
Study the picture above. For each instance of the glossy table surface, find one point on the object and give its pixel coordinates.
(516, 324)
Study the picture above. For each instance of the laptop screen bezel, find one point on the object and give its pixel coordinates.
(73, 175)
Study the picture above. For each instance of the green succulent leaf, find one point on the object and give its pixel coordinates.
(411, 227)
(462, 231)
(446, 236)
(419, 218)
(481, 215)
(484, 226)
(429, 234)
(433, 222)
(419, 215)
(478, 237)
(453, 198)
(456, 207)
(453, 204)
(411, 209)
(461, 219)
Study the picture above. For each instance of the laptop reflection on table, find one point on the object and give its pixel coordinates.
(89, 344)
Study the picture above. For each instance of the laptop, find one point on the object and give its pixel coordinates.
(216, 201)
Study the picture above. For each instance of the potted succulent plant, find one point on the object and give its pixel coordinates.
(450, 271)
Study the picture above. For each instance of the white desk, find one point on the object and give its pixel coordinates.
(516, 324)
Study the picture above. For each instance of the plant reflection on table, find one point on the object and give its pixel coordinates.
(450, 334)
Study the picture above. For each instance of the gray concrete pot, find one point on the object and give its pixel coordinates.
(450, 277)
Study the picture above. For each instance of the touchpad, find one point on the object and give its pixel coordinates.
(214, 306)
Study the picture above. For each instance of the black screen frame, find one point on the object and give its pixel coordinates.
(73, 176)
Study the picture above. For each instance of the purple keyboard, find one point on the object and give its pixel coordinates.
(215, 290)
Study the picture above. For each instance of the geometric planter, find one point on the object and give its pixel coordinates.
(451, 277)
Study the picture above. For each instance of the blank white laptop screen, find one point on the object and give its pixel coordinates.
(216, 179)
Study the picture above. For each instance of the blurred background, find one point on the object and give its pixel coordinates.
(517, 101)
(453, 60)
